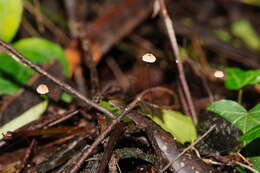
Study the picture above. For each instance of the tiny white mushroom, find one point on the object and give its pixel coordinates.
(182, 164)
(42, 89)
(148, 57)
(219, 74)
(164, 148)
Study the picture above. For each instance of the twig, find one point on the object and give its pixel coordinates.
(26, 157)
(247, 167)
(65, 117)
(102, 136)
(184, 105)
(21, 59)
(186, 149)
(171, 34)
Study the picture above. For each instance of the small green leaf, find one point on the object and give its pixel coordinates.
(222, 35)
(251, 134)
(30, 115)
(14, 75)
(252, 2)
(244, 30)
(236, 114)
(67, 98)
(237, 78)
(256, 162)
(10, 18)
(178, 125)
(110, 107)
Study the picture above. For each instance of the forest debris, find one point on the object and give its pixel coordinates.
(108, 29)
(113, 139)
(168, 148)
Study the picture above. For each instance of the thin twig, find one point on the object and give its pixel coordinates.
(186, 149)
(102, 136)
(21, 59)
(171, 34)
(65, 117)
(27, 156)
(247, 167)
(184, 105)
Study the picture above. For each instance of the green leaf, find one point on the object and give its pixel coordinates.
(222, 35)
(256, 162)
(67, 98)
(244, 30)
(30, 115)
(236, 114)
(251, 134)
(177, 124)
(14, 75)
(252, 2)
(10, 18)
(110, 107)
(237, 78)
(42, 51)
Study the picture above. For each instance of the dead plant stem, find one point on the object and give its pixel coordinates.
(171, 34)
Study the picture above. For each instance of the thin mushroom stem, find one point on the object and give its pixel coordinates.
(21, 59)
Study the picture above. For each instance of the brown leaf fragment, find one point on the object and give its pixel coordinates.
(73, 55)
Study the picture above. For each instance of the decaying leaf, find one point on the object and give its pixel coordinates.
(30, 115)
